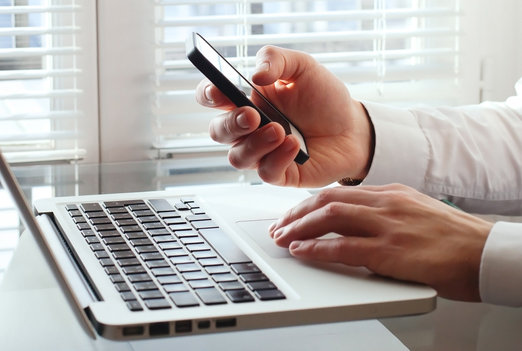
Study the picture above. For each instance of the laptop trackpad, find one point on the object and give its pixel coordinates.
(258, 231)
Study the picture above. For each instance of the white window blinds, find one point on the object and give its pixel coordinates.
(40, 89)
(400, 50)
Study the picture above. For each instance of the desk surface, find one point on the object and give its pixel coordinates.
(452, 326)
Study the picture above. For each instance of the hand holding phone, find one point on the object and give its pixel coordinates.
(238, 89)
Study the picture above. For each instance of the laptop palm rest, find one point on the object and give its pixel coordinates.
(257, 230)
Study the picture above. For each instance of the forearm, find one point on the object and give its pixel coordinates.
(468, 154)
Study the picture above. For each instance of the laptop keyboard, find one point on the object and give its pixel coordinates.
(160, 256)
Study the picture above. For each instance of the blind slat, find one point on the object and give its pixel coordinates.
(296, 38)
(42, 95)
(19, 10)
(34, 74)
(39, 80)
(250, 19)
(18, 53)
(37, 31)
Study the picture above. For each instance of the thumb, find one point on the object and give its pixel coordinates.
(274, 63)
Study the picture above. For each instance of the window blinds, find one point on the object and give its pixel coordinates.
(400, 50)
(39, 72)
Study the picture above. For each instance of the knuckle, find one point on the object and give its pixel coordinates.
(332, 210)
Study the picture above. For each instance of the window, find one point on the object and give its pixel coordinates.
(44, 79)
(400, 50)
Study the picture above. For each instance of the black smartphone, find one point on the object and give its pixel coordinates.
(237, 88)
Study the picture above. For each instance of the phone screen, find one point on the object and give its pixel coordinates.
(245, 88)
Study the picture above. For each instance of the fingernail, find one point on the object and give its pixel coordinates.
(295, 245)
(270, 135)
(278, 233)
(242, 121)
(208, 95)
(263, 66)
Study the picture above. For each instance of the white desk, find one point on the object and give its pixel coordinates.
(34, 315)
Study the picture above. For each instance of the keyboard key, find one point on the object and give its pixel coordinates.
(169, 279)
(91, 207)
(142, 241)
(272, 294)
(243, 268)
(145, 248)
(239, 296)
(163, 271)
(217, 269)
(121, 287)
(127, 221)
(134, 305)
(130, 228)
(133, 269)
(201, 217)
(118, 247)
(150, 294)
(210, 262)
(157, 304)
(170, 245)
(204, 254)
(224, 277)
(114, 240)
(265, 285)
(151, 256)
(140, 277)
(200, 283)
(224, 246)
(123, 254)
(178, 287)
(184, 299)
(210, 296)
(185, 233)
(127, 296)
(155, 232)
(157, 263)
(153, 225)
(170, 214)
(235, 285)
(204, 224)
(181, 259)
(140, 286)
(128, 261)
(175, 220)
(253, 277)
(161, 205)
(188, 267)
(195, 276)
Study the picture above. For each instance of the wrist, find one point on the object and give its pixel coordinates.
(365, 140)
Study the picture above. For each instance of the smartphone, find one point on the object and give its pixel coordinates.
(238, 89)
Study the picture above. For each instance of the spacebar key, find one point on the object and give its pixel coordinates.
(224, 246)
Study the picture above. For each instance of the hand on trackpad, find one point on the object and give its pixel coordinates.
(258, 231)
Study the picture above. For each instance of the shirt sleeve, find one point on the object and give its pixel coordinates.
(501, 267)
(470, 155)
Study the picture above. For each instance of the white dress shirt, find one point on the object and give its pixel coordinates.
(470, 155)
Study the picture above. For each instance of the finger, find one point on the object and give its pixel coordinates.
(234, 125)
(278, 166)
(350, 251)
(274, 63)
(248, 152)
(350, 195)
(207, 94)
(336, 217)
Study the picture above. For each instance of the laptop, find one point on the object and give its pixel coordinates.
(196, 260)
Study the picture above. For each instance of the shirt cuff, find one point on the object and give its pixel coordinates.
(501, 266)
(401, 149)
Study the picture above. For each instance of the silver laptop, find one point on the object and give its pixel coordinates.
(166, 263)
